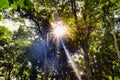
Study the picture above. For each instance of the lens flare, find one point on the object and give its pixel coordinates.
(71, 62)
(59, 29)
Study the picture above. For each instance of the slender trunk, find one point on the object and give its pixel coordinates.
(115, 42)
(86, 58)
(9, 73)
(84, 43)
(114, 37)
(113, 31)
(46, 60)
(73, 5)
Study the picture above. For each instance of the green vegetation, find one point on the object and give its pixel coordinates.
(31, 51)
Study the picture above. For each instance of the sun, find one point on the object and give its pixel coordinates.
(59, 29)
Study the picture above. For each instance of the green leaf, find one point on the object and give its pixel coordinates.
(20, 3)
(14, 6)
(4, 4)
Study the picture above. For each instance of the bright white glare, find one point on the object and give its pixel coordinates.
(59, 29)
(116, 16)
(27, 22)
(29, 63)
(10, 24)
(14, 79)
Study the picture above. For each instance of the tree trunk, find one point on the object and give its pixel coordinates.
(9, 73)
(84, 43)
(115, 42)
(86, 58)
(73, 5)
(110, 21)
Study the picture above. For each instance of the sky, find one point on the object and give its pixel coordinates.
(13, 25)
(10, 24)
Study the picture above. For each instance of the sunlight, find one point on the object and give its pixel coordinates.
(27, 22)
(59, 29)
(10, 24)
(71, 61)
(14, 25)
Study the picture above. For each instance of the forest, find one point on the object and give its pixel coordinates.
(59, 39)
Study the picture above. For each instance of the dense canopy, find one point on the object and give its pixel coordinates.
(32, 46)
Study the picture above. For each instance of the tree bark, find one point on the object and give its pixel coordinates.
(73, 5)
(114, 37)
(9, 73)
(85, 47)
(110, 21)
(115, 42)
(84, 43)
